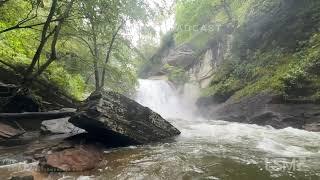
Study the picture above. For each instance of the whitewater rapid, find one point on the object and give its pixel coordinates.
(243, 143)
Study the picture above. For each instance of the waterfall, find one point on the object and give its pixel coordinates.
(164, 99)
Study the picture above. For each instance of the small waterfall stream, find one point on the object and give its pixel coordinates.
(162, 98)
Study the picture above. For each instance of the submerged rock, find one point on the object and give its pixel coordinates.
(118, 120)
(75, 159)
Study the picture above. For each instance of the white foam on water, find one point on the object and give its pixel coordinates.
(161, 97)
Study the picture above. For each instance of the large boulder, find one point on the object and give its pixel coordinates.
(118, 120)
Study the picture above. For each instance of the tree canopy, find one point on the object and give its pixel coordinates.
(77, 44)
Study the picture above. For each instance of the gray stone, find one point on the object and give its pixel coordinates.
(59, 126)
(118, 120)
(267, 109)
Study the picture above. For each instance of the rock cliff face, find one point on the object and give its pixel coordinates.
(118, 120)
(210, 59)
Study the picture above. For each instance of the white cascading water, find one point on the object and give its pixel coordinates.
(162, 98)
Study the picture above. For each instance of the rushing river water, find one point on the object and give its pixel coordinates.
(209, 149)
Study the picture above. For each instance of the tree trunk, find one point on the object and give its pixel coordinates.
(96, 57)
(109, 55)
(57, 30)
(44, 38)
(35, 115)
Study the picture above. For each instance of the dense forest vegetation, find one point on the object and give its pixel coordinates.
(160, 89)
(281, 55)
(81, 46)
(78, 46)
(264, 46)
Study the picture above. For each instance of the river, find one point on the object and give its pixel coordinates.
(207, 148)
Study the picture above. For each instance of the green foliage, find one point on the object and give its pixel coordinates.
(18, 47)
(263, 56)
(176, 75)
(291, 75)
(121, 80)
(107, 47)
(223, 90)
(167, 40)
(76, 48)
(203, 18)
(189, 14)
(154, 62)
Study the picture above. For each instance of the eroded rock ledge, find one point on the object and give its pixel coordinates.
(266, 109)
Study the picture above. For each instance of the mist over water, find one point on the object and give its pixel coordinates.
(162, 98)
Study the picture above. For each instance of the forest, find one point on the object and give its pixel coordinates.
(71, 44)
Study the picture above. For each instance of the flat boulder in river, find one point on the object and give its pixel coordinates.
(118, 120)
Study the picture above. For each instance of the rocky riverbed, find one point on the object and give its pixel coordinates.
(76, 142)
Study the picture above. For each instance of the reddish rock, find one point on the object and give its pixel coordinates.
(80, 158)
(7, 131)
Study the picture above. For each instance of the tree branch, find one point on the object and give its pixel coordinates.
(136, 50)
(86, 42)
(31, 26)
(24, 20)
(36, 115)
